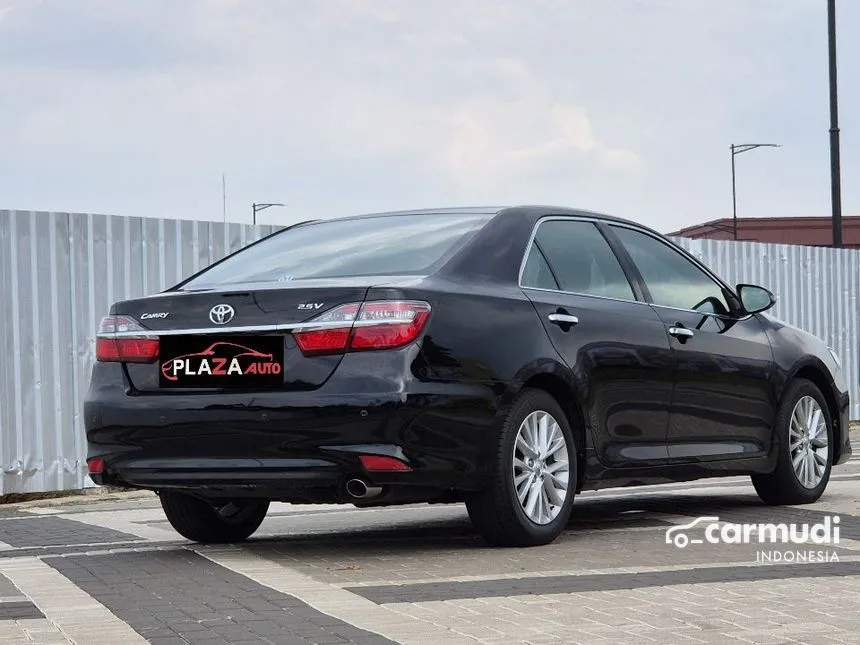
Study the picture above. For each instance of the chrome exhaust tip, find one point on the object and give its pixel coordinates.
(357, 489)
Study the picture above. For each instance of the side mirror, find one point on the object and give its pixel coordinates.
(755, 299)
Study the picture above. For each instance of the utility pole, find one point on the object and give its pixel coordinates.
(835, 170)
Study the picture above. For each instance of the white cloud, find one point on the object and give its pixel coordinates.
(352, 105)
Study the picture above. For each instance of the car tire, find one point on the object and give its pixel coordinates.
(794, 443)
(201, 521)
(497, 512)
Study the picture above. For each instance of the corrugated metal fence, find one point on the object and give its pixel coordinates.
(59, 273)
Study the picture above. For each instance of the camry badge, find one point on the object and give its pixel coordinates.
(221, 314)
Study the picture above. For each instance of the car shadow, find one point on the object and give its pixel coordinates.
(390, 531)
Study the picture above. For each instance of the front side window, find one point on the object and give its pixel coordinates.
(408, 244)
(576, 257)
(671, 278)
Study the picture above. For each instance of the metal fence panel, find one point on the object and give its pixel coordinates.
(60, 272)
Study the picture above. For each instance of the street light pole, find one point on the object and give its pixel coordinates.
(255, 208)
(734, 197)
(736, 150)
(835, 171)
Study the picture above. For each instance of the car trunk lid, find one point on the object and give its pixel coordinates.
(212, 331)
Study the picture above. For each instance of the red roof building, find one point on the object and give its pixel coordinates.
(808, 231)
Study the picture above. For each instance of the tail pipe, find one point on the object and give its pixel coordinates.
(358, 489)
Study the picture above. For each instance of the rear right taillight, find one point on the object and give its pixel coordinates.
(123, 339)
(379, 324)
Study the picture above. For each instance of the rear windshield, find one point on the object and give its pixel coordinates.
(380, 245)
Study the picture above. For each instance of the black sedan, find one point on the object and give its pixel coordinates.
(505, 358)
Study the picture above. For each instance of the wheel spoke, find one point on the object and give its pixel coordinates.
(815, 419)
(546, 511)
(560, 479)
(533, 499)
(797, 459)
(524, 488)
(557, 442)
(555, 466)
(819, 442)
(797, 419)
(543, 435)
(525, 447)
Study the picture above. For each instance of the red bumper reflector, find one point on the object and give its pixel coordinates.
(96, 466)
(128, 350)
(376, 462)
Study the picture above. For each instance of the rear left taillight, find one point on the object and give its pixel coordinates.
(380, 324)
(123, 339)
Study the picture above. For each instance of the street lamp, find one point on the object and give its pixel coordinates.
(256, 208)
(736, 150)
(835, 178)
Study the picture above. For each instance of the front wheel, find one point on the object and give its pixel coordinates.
(804, 437)
(530, 497)
(203, 521)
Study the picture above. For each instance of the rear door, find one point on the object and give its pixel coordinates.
(723, 404)
(616, 346)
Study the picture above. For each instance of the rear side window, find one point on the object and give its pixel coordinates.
(379, 245)
(574, 256)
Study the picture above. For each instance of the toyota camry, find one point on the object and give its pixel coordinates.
(507, 358)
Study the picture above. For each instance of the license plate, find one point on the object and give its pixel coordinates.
(228, 361)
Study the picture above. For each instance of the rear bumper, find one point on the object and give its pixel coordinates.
(294, 446)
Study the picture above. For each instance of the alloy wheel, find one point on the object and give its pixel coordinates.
(541, 467)
(808, 444)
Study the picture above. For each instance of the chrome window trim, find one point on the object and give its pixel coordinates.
(586, 295)
(704, 313)
(572, 218)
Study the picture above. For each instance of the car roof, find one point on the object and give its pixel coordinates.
(533, 210)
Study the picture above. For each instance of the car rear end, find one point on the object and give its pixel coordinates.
(287, 371)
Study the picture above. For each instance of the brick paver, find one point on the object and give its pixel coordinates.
(114, 572)
(174, 596)
(50, 530)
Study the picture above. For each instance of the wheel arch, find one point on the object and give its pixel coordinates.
(817, 374)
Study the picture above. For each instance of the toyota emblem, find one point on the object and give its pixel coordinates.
(221, 314)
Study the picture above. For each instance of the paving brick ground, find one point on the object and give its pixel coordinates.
(175, 597)
(113, 572)
(51, 531)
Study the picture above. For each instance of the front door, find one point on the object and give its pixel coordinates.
(615, 345)
(723, 404)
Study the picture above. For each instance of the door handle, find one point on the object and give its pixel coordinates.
(681, 333)
(563, 319)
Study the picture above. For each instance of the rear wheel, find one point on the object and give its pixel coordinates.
(534, 476)
(202, 521)
(804, 433)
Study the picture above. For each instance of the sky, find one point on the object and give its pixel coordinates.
(340, 107)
